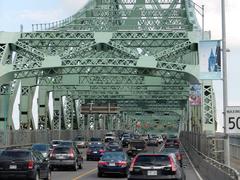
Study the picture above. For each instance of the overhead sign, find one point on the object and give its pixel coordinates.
(233, 119)
(210, 59)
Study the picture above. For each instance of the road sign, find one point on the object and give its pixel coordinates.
(233, 119)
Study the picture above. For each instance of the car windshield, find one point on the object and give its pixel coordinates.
(108, 156)
(15, 155)
(156, 160)
(126, 135)
(109, 134)
(40, 147)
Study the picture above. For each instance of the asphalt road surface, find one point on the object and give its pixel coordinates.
(89, 171)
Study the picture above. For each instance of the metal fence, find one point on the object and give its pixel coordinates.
(27, 137)
(235, 151)
(198, 147)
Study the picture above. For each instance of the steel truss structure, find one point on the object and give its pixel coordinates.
(137, 55)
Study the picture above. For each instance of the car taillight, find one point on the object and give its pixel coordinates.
(102, 163)
(101, 151)
(133, 163)
(121, 163)
(30, 164)
(173, 167)
(71, 153)
(179, 156)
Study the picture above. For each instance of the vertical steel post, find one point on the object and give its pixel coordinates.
(225, 85)
(203, 16)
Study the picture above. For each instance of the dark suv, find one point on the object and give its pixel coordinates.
(24, 163)
(155, 166)
(63, 156)
(135, 147)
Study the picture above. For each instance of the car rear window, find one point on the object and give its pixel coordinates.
(113, 156)
(40, 147)
(61, 150)
(140, 144)
(79, 139)
(156, 160)
(15, 155)
(95, 139)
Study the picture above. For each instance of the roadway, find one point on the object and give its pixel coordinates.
(89, 172)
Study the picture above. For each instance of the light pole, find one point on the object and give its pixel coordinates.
(200, 10)
(225, 85)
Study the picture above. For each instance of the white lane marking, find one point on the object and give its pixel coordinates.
(195, 170)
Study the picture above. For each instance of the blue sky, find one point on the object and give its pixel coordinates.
(27, 12)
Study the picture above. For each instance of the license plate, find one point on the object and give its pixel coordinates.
(60, 157)
(111, 164)
(95, 152)
(152, 173)
(13, 167)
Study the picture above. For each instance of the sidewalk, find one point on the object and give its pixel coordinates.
(235, 163)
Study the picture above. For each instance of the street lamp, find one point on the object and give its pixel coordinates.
(200, 10)
(225, 84)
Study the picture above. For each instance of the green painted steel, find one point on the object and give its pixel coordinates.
(137, 55)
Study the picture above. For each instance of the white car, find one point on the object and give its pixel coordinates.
(110, 137)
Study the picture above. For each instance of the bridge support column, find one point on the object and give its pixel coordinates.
(14, 106)
(67, 103)
(57, 112)
(208, 107)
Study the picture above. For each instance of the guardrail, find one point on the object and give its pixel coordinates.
(28, 137)
(235, 151)
(208, 168)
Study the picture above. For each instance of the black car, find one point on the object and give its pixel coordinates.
(172, 143)
(155, 166)
(42, 148)
(113, 163)
(24, 163)
(125, 141)
(114, 147)
(95, 151)
(65, 156)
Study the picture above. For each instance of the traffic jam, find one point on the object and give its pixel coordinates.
(124, 155)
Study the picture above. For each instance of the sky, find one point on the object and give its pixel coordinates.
(13, 13)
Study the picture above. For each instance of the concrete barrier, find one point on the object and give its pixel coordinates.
(208, 168)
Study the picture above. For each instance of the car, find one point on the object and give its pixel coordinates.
(80, 142)
(135, 147)
(94, 140)
(55, 143)
(172, 143)
(95, 151)
(176, 151)
(125, 142)
(110, 137)
(24, 163)
(152, 142)
(155, 166)
(66, 156)
(43, 148)
(113, 163)
(159, 138)
(114, 147)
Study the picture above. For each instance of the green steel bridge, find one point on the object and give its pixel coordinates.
(113, 65)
